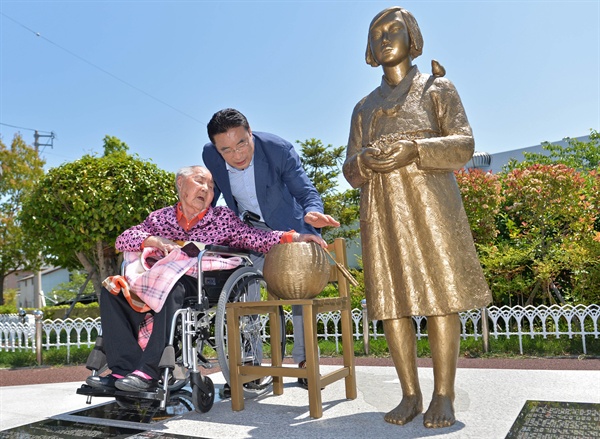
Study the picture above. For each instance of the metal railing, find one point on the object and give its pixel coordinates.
(18, 332)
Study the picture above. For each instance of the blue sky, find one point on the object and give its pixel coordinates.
(153, 72)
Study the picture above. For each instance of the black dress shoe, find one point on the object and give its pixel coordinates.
(226, 391)
(303, 381)
(259, 384)
(136, 383)
(105, 383)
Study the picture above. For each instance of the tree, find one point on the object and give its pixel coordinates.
(323, 167)
(78, 209)
(114, 145)
(20, 168)
(583, 156)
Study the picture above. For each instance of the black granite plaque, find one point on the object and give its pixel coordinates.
(124, 410)
(545, 420)
(57, 429)
(140, 411)
(159, 434)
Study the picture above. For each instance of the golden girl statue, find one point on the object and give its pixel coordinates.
(406, 139)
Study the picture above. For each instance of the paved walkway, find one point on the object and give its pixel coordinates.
(487, 404)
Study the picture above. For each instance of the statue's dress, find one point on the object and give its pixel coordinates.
(418, 251)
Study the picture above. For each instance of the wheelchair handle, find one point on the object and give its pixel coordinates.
(224, 250)
(249, 217)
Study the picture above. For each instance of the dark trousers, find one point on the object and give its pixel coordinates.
(120, 327)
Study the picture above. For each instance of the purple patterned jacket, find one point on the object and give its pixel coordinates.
(219, 226)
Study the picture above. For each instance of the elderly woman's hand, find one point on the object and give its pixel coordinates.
(307, 237)
(163, 244)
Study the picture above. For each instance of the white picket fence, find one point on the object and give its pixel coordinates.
(18, 333)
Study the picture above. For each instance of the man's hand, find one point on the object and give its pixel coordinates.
(163, 244)
(307, 237)
(319, 220)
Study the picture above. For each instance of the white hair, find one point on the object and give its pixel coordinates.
(186, 171)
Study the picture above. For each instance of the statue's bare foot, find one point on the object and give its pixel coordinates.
(440, 412)
(409, 407)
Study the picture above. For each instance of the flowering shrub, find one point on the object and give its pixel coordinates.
(537, 232)
(481, 193)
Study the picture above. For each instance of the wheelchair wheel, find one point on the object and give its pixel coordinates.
(203, 402)
(243, 285)
(176, 385)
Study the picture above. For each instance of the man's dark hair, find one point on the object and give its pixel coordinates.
(224, 120)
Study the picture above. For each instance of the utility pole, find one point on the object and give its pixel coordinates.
(38, 293)
(36, 140)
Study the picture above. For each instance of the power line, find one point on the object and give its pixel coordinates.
(23, 128)
(37, 34)
(36, 136)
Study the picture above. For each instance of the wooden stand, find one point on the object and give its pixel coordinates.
(240, 374)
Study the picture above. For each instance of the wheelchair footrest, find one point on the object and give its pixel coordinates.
(93, 391)
(157, 395)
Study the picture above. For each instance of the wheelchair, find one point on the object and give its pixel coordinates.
(201, 322)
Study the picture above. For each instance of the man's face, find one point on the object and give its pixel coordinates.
(236, 146)
(389, 40)
(196, 191)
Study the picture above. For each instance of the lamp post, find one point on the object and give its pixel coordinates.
(365, 319)
(38, 335)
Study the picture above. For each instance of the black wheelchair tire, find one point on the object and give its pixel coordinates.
(233, 291)
(203, 402)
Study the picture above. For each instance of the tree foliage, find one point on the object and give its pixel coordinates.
(537, 225)
(20, 169)
(323, 167)
(113, 146)
(583, 156)
(78, 209)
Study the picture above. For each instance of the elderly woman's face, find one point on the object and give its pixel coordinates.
(389, 40)
(196, 191)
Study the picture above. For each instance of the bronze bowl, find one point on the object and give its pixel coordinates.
(298, 270)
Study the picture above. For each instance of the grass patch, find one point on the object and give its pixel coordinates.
(545, 347)
(17, 359)
(51, 357)
(469, 348)
(501, 347)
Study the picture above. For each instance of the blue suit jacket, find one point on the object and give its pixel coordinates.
(284, 192)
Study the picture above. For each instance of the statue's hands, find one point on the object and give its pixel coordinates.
(306, 237)
(368, 157)
(163, 244)
(319, 220)
(393, 156)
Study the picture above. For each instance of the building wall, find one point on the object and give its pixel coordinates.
(25, 295)
(499, 159)
(12, 280)
(51, 277)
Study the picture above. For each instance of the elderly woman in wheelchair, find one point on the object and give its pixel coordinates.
(139, 310)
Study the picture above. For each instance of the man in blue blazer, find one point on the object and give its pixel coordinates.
(262, 173)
